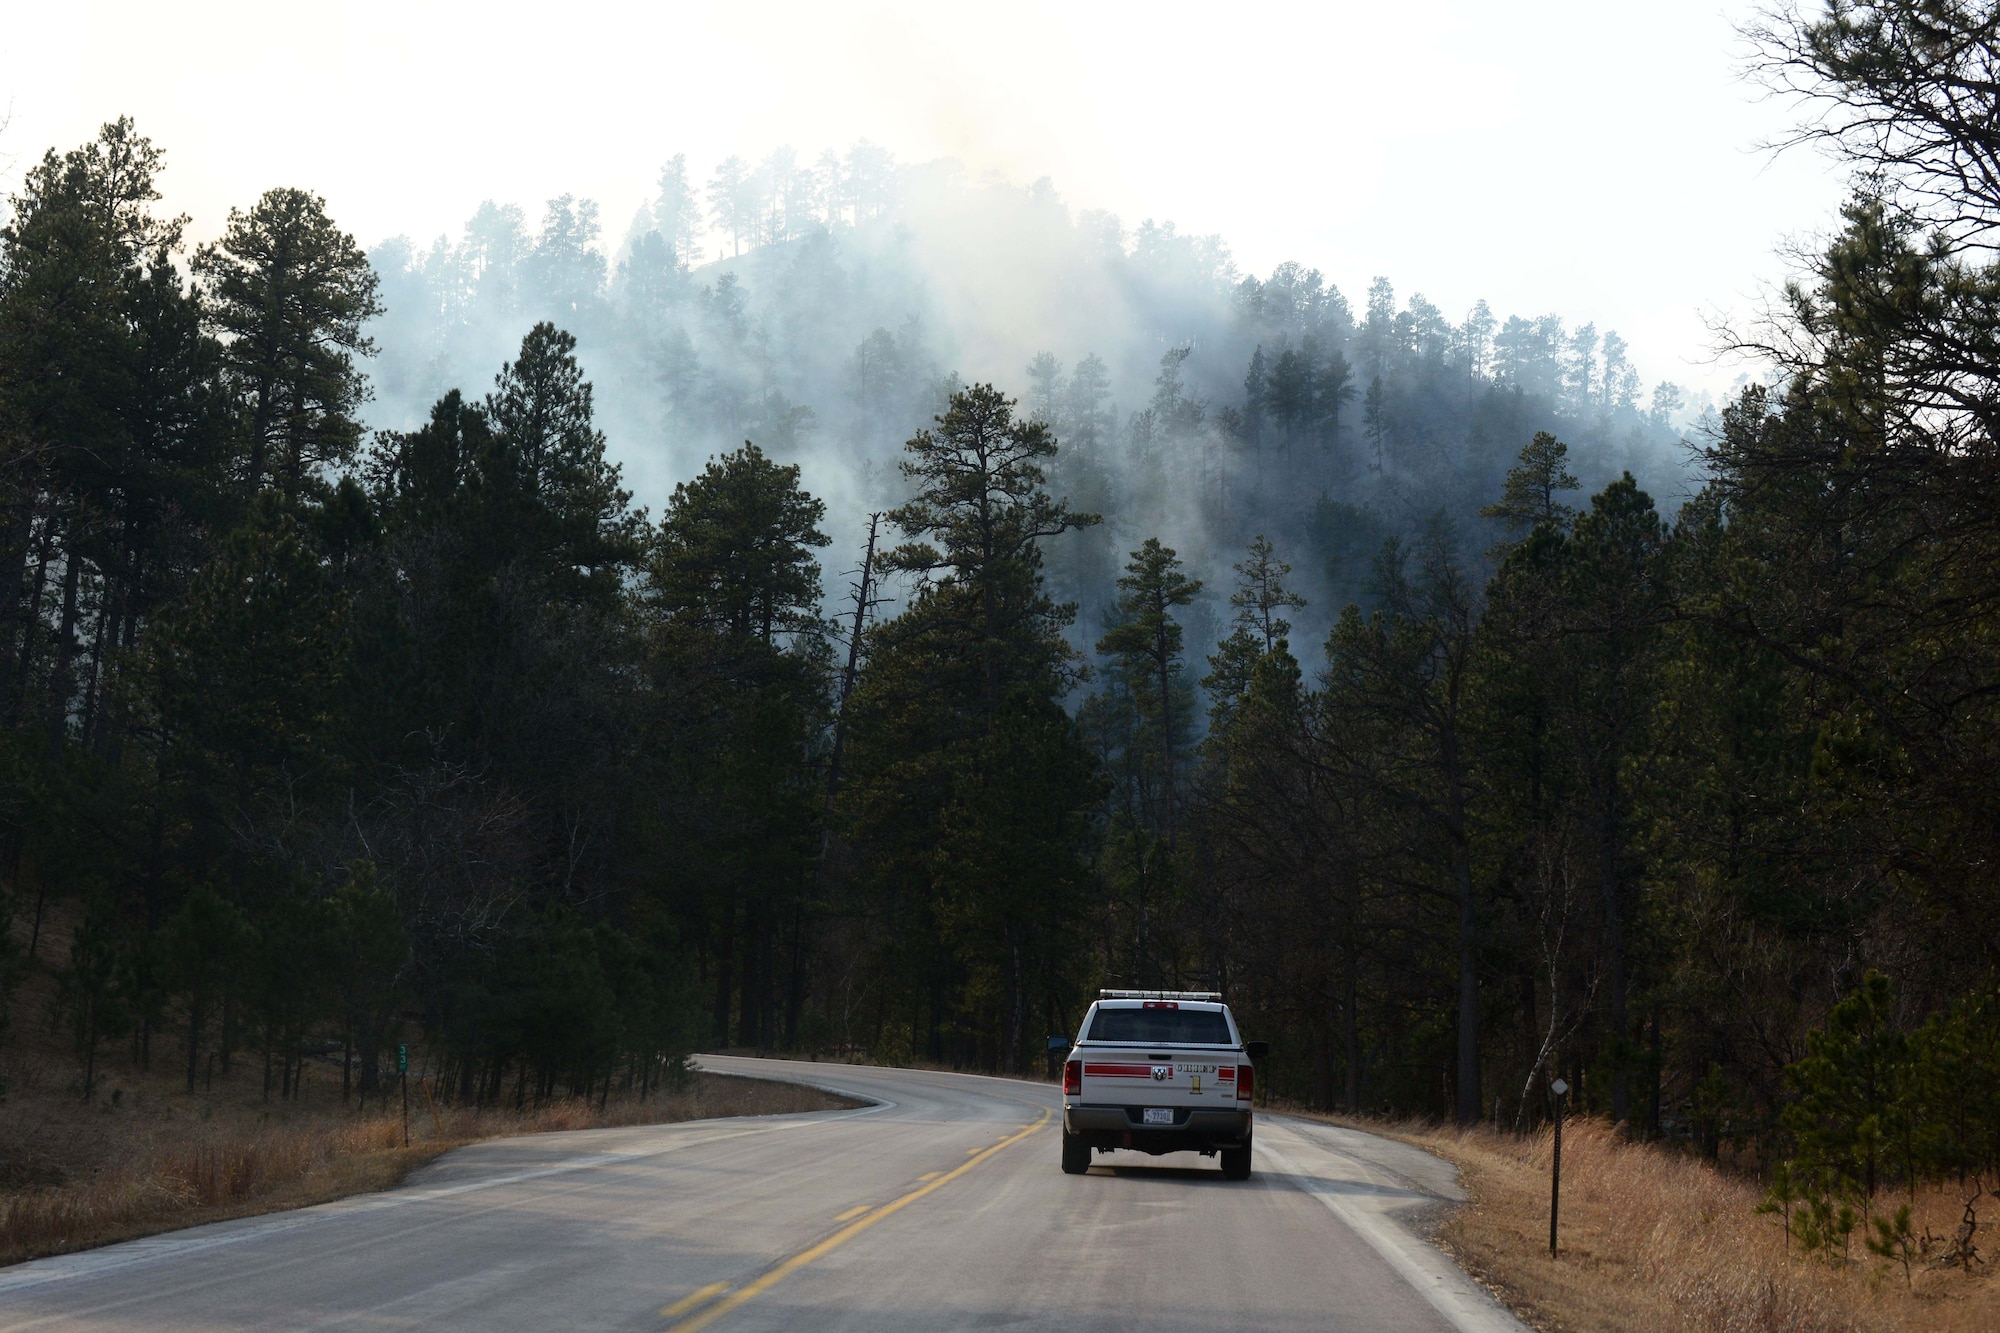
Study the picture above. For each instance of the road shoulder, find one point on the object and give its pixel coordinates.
(1393, 1196)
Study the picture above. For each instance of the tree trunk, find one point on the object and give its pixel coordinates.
(114, 742)
(796, 980)
(368, 1033)
(61, 685)
(1012, 1059)
(88, 731)
(31, 619)
(1467, 1108)
(1614, 947)
(197, 1002)
(1167, 734)
(14, 562)
(90, 1052)
(750, 1009)
(41, 901)
(1351, 1034)
(725, 975)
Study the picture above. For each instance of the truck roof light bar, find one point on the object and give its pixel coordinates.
(1210, 996)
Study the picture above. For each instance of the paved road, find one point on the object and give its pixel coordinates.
(939, 1207)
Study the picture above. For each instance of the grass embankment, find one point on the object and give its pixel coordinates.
(156, 1161)
(1653, 1239)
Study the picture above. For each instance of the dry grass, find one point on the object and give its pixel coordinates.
(1653, 1239)
(215, 1177)
(178, 1171)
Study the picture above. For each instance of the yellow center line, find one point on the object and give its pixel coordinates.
(852, 1213)
(930, 1175)
(842, 1236)
(694, 1298)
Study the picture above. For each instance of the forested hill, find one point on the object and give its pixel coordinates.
(826, 311)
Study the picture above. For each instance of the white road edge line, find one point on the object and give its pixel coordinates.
(180, 1244)
(1465, 1305)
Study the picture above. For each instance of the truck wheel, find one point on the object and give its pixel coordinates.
(1076, 1154)
(1236, 1163)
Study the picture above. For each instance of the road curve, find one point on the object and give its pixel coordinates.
(940, 1206)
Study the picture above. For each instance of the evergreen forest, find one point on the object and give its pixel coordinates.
(863, 611)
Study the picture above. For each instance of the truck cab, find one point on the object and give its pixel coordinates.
(1159, 1072)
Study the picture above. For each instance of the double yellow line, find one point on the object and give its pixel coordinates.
(772, 1278)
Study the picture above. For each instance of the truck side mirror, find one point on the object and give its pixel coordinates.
(1256, 1050)
(1058, 1044)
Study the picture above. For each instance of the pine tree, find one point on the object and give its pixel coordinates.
(558, 498)
(1261, 598)
(112, 420)
(1256, 390)
(1088, 417)
(976, 523)
(565, 268)
(1533, 484)
(676, 212)
(731, 202)
(978, 867)
(206, 942)
(1332, 390)
(288, 293)
(1147, 643)
(1046, 391)
(734, 552)
(242, 671)
(1401, 682)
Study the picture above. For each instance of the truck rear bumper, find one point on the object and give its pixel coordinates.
(1195, 1130)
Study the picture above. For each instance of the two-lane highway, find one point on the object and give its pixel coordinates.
(941, 1206)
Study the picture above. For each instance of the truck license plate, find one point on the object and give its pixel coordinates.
(1159, 1115)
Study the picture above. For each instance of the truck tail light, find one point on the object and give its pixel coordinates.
(1246, 1081)
(1073, 1079)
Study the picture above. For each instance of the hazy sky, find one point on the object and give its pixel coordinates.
(1597, 160)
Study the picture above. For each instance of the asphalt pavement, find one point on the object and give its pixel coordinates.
(939, 1206)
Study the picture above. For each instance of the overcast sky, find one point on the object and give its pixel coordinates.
(1596, 160)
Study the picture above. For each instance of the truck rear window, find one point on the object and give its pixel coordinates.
(1191, 1027)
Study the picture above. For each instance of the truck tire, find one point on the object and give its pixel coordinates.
(1236, 1163)
(1076, 1154)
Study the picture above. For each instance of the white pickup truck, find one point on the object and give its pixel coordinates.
(1158, 1072)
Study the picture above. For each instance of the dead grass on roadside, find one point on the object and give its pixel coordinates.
(1654, 1239)
(222, 1167)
